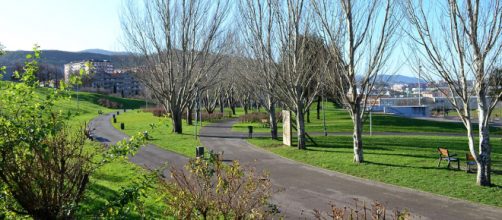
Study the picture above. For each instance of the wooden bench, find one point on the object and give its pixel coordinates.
(469, 162)
(444, 154)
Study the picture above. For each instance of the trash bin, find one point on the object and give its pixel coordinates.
(250, 130)
(122, 126)
(199, 152)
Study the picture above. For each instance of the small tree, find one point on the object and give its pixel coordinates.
(44, 164)
(211, 189)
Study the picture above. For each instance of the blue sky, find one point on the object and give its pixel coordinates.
(70, 25)
(73, 25)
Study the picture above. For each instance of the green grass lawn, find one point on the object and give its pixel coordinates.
(106, 182)
(408, 161)
(338, 120)
(161, 135)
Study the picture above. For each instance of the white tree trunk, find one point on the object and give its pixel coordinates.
(300, 125)
(272, 119)
(357, 137)
(483, 161)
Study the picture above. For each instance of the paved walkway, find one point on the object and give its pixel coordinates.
(150, 156)
(307, 188)
(304, 187)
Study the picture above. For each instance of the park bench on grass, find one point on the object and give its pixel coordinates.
(444, 154)
(469, 162)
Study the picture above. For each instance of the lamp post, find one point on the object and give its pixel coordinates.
(197, 108)
(371, 124)
(324, 116)
(419, 86)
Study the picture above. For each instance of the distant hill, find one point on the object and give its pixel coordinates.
(58, 58)
(394, 79)
(105, 52)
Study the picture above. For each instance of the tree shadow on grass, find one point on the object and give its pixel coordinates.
(408, 166)
(110, 177)
(435, 158)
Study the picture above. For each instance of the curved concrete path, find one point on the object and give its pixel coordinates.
(150, 156)
(303, 187)
(307, 188)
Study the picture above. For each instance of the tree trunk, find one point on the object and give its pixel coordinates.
(222, 105)
(318, 108)
(357, 137)
(272, 119)
(308, 116)
(177, 119)
(245, 109)
(190, 116)
(483, 162)
(233, 109)
(300, 125)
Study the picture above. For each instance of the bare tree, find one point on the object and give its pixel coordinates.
(178, 43)
(459, 43)
(211, 97)
(258, 22)
(361, 36)
(297, 83)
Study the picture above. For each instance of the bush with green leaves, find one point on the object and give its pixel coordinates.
(212, 189)
(44, 163)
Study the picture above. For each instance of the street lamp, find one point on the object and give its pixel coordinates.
(197, 109)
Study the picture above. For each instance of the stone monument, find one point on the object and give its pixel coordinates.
(286, 127)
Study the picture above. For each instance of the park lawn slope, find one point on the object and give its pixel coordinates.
(107, 181)
(159, 130)
(338, 120)
(409, 161)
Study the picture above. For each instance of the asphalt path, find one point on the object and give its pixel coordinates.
(303, 188)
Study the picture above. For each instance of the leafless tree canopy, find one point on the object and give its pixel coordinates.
(178, 43)
(460, 42)
(361, 35)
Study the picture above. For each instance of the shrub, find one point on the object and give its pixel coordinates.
(211, 189)
(257, 117)
(108, 103)
(156, 111)
(215, 116)
(44, 164)
(377, 211)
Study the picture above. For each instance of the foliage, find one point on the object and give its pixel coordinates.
(157, 111)
(44, 163)
(129, 199)
(257, 117)
(377, 211)
(108, 103)
(211, 189)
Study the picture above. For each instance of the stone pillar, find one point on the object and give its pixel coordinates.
(286, 128)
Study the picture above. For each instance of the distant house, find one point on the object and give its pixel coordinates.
(103, 78)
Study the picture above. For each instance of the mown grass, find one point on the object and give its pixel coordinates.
(409, 161)
(338, 120)
(161, 134)
(109, 180)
